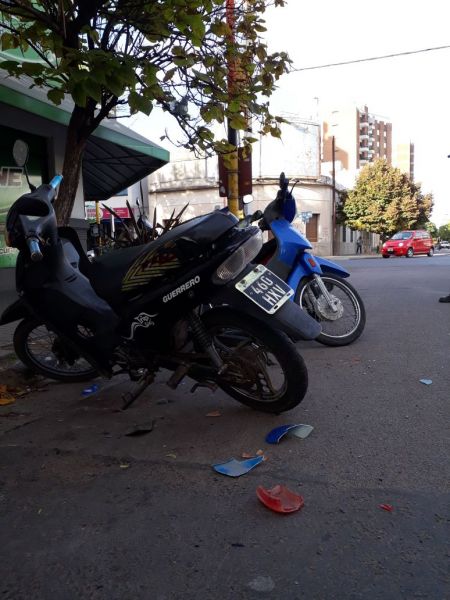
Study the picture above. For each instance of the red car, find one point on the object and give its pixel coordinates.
(408, 243)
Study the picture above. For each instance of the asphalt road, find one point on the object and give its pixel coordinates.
(88, 512)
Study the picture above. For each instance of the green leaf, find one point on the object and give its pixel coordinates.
(169, 74)
(79, 94)
(32, 69)
(139, 103)
(55, 95)
(93, 89)
(238, 122)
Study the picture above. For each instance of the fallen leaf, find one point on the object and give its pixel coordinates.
(124, 465)
(387, 507)
(5, 397)
(171, 455)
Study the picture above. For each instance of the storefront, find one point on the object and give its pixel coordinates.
(115, 158)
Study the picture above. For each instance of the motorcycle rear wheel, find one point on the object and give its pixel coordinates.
(42, 351)
(350, 323)
(264, 369)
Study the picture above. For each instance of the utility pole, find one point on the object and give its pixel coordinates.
(233, 161)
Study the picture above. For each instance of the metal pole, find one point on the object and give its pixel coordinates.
(333, 243)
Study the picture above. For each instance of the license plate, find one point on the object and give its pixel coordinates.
(390, 250)
(265, 289)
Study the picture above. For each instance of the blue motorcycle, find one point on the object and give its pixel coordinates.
(319, 284)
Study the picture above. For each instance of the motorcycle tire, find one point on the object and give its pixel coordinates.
(268, 372)
(43, 352)
(339, 331)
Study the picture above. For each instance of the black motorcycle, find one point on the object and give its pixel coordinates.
(142, 308)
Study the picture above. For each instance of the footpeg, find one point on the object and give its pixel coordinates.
(180, 372)
(206, 384)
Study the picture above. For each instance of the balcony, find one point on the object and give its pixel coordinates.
(363, 136)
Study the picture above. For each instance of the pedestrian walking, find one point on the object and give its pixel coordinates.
(359, 245)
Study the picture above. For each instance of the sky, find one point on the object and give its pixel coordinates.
(412, 92)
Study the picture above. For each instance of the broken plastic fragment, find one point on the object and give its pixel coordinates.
(90, 390)
(387, 507)
(299, 430)
(426, 381)
(214, 413)
(141, 430)
(235, 468)
(280, 499)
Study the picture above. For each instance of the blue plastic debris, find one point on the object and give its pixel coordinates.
(90, 390)
(300, 430)
(426, 381)
(235, 468)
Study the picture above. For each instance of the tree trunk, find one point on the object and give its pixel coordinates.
(77, 135)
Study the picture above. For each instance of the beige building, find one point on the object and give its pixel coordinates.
(403, 159)
(187, 179)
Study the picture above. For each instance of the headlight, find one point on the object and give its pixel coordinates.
(237, 262)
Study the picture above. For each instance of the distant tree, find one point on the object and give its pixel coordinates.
(385, 200)
(178, 54)
(432, 229)
(444, 232)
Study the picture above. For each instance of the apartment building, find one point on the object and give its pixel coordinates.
(359, 136)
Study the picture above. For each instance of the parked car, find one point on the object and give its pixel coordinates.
(408, 243)
(444, 244)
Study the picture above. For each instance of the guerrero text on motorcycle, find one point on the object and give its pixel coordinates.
(319, 284)
(138, 309)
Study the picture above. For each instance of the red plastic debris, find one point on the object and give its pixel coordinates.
(387, 507)
(280, 499)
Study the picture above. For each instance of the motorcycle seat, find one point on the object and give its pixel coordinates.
(118, 273)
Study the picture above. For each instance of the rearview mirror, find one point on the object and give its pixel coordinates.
(284, 182)
(20, 153)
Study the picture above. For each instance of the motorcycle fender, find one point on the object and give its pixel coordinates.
(304, 268)
(290, 318)
(329, 266)
(16, 311)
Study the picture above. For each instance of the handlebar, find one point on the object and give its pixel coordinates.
(56, 181)
(34, 248)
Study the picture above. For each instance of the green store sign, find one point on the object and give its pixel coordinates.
(13, 182)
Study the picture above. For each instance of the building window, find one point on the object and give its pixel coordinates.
(312, 228)
(351, 235)
(344, 233)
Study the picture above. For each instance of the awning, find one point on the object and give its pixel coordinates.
(115, 156)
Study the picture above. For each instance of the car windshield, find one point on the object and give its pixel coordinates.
(402, 235)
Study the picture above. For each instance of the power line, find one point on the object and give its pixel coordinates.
(360, 60)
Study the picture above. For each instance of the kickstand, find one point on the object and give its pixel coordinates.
(129, 397)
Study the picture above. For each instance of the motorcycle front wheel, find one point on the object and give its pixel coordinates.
(42, 351)
(341, 326)
(263, 368)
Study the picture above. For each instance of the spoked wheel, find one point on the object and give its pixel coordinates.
(346, 322)
(263, 368)
(42, 351)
